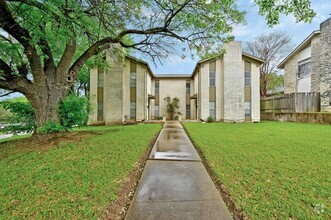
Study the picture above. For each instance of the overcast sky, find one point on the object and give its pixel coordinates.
(256, 25)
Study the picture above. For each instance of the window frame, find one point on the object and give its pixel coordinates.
(212, 109)
(307, 70)
(133, 111)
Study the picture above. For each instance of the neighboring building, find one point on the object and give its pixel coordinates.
(224, 87)
(308, 67)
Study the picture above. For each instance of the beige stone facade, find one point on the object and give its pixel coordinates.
(224, 87)
(308, 67)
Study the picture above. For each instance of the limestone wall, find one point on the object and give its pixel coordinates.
(255, 95)
(113, 91)
(204, 91)
(290, 75)
(325, 64)
(93, 95)
(141, 103)
(219, 90)
(315, 64)
(233, 83)
(173, 88)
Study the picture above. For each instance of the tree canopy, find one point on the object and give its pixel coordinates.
(44, 44)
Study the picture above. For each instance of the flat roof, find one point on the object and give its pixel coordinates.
(173, 76)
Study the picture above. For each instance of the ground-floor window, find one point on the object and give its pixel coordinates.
(212, 109)
(188, 111)
(133, 110)
(100, 111)
(157, 111)
(247, 110)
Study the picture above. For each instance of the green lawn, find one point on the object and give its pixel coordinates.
(73, 180)
(273, 170)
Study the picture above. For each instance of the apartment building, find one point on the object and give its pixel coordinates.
(224, 87)
(308, 67)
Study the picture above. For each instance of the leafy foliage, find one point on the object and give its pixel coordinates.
(21, 117)
(275, 81)
(74, 111)
(172, 106)
(301, 9)
(51, 127)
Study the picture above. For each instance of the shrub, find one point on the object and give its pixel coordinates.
(210, 119)
(51, 127)
(21, 117)
(74, 111)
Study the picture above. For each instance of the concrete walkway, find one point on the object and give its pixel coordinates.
(174, 183)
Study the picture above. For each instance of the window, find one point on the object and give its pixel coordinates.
(157, 86)
(247, 79)
(212, 109)
(188, 87)
(247, 74)
(133, 75)
(188, 111)
(133, 79)
(100, 77)
(212, 74)
(157, 111)
(247, 107)
(133, 110)
(304, 69)
(100, 111)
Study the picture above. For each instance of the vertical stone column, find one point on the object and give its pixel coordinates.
(325, 65)
(204, 91)
(290, 75)
(233, 83)
(219, 90)
(93, 95)
(141, 92)
(315, 64)
(113, 91)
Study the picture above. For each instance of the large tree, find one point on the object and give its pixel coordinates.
(272, 48)
(44, 44)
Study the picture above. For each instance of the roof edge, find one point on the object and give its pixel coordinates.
(298, 48)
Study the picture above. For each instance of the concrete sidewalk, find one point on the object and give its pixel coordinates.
(174, 183)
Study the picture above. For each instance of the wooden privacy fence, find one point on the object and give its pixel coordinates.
(291, 103)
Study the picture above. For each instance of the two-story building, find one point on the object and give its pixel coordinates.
(224, 87)
(308, 67)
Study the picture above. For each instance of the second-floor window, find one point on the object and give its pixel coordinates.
(157, 87)
(133, 75)
(248, 74)
(212, 74)
(188, 87)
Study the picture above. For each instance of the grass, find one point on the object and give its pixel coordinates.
(75, 180)
(272, 170)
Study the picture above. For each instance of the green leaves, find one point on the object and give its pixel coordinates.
(301, 9)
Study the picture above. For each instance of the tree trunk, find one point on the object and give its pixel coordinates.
(46, 97)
